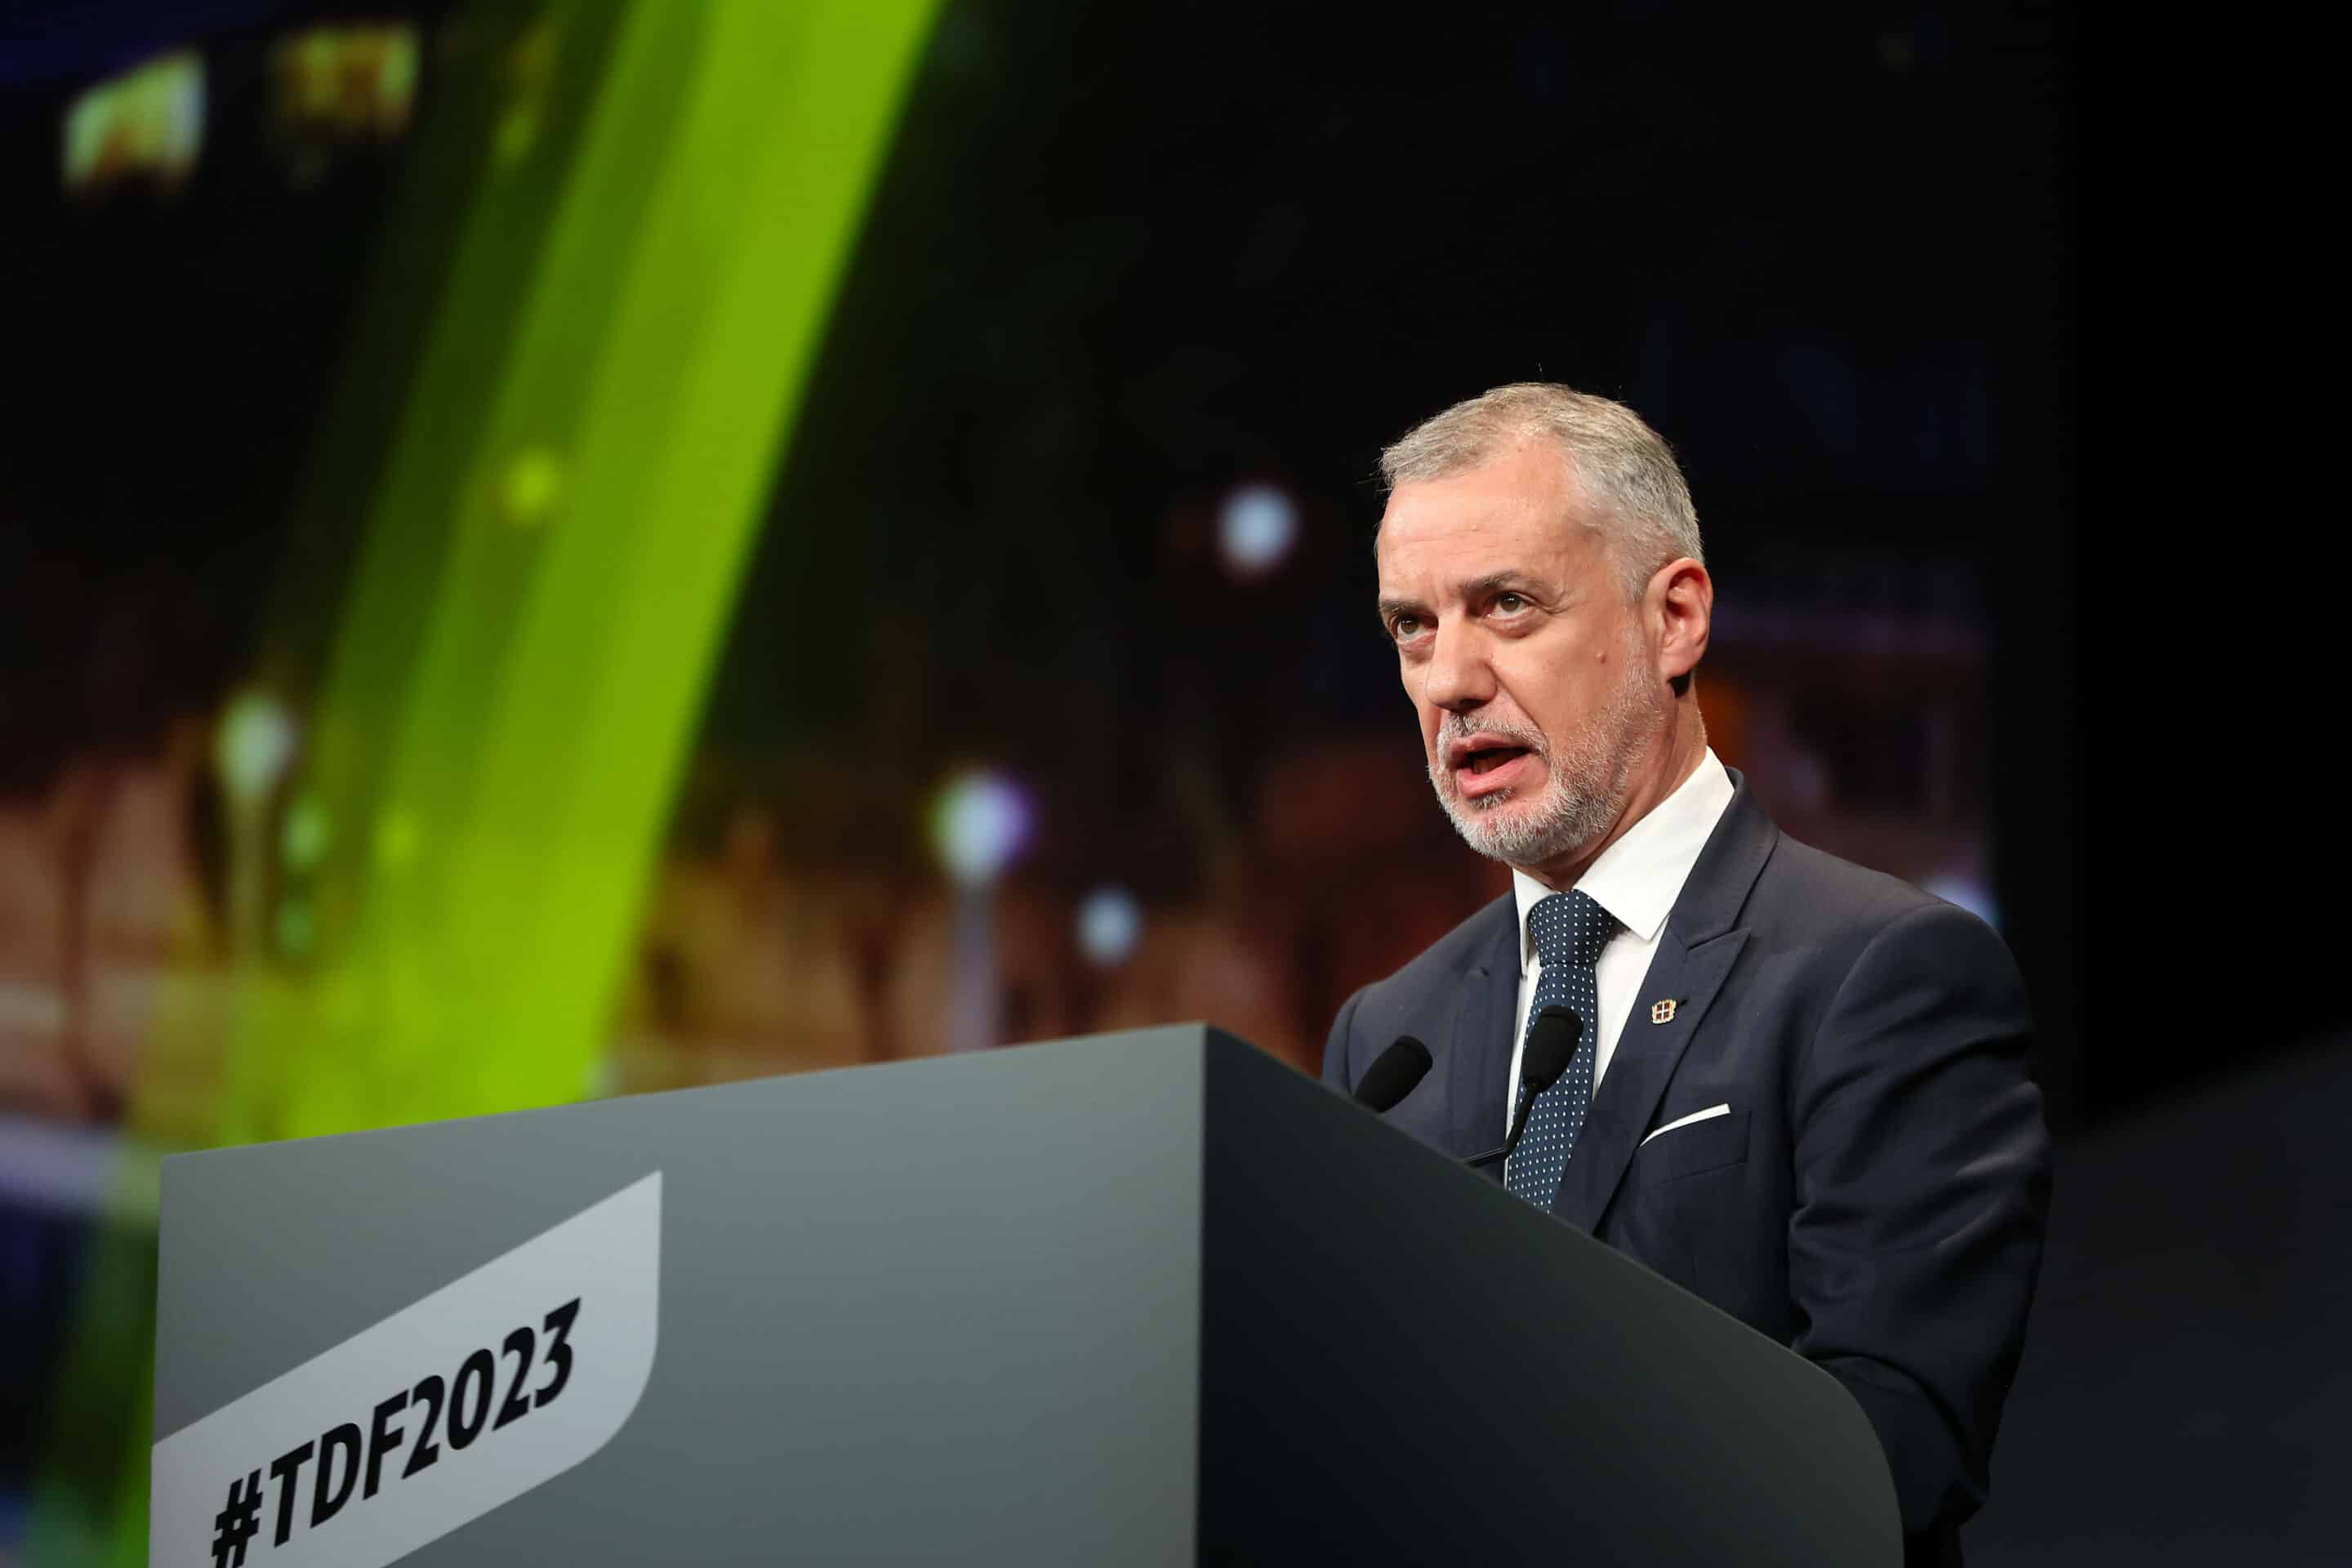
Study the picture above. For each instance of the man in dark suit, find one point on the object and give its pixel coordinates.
(1800, 1091)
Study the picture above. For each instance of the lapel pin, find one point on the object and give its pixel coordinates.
(1661, 1013)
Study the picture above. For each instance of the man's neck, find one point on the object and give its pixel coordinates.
(1661, 770)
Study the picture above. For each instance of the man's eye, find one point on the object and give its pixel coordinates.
(1404, 628)
(1509, 604)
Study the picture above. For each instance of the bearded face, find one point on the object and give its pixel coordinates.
(1580, 783)
(1537, 691)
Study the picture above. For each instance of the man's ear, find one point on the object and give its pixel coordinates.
(1681, 599)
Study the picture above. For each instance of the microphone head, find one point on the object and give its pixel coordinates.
(1551, 1046)
(1393, 1077)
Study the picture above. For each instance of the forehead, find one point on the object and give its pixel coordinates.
(1519, 512)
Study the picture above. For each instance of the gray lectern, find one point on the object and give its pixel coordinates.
(1151, 1297)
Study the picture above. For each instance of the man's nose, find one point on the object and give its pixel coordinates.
(1457, 677)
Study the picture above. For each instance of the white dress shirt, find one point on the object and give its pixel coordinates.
(1637, 879)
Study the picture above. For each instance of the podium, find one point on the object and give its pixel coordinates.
(1148, 1298)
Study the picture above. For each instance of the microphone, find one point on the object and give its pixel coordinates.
(1393, 1076)
(1551, 1046)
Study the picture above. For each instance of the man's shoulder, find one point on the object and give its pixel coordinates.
(1810, 897)
(1813, 886)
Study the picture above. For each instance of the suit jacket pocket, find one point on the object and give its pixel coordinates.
(1707, 1145)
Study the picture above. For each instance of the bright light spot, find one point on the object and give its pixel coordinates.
(306, 834)
(345, 80)
(533, 481)
(1256, 529)
(254, 744)
(1110, 923)
(397, 839)
(979, 822)
(150, 120)
(1969, 894)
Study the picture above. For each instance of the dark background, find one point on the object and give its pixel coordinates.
(1126, 255)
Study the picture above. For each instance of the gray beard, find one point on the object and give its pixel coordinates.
(1584, 789)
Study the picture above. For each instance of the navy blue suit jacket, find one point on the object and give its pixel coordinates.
(1875, 1199)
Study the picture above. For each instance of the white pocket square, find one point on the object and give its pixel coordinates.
(1711, 1110)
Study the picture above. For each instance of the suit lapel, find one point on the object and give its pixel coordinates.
(1695, 955)
(1480, 1048)
(1639, 1071)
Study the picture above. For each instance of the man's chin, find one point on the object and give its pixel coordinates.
(1494, 825)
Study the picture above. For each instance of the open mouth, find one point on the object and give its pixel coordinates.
(1485, 759)
(1487, 765)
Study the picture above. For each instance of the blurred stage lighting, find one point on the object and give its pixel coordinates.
(254, 745)
(399, 838)
(534, 481)
(147, 123)
(1110, 923)
(980, 821)
(295, 929)
(302, 843)
(530, 68)
(347, 82)
(1969, 894)
(1256, 529)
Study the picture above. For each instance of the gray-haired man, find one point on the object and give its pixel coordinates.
(1802, 1090)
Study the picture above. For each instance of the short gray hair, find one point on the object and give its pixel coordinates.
(1638, 501)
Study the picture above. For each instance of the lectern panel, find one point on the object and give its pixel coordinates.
(1405, 1363)
(934, 1311)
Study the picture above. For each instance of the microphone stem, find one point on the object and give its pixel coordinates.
(1518, 1131)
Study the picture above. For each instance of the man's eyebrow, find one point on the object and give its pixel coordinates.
(1496, 582)
(1477, 588)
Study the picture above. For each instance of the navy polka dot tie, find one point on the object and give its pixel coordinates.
(1570, 930)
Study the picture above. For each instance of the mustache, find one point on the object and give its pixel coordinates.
(1454, 727)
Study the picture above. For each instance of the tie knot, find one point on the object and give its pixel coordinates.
(1570, 929)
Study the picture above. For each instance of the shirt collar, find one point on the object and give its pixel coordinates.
(1638, 878)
